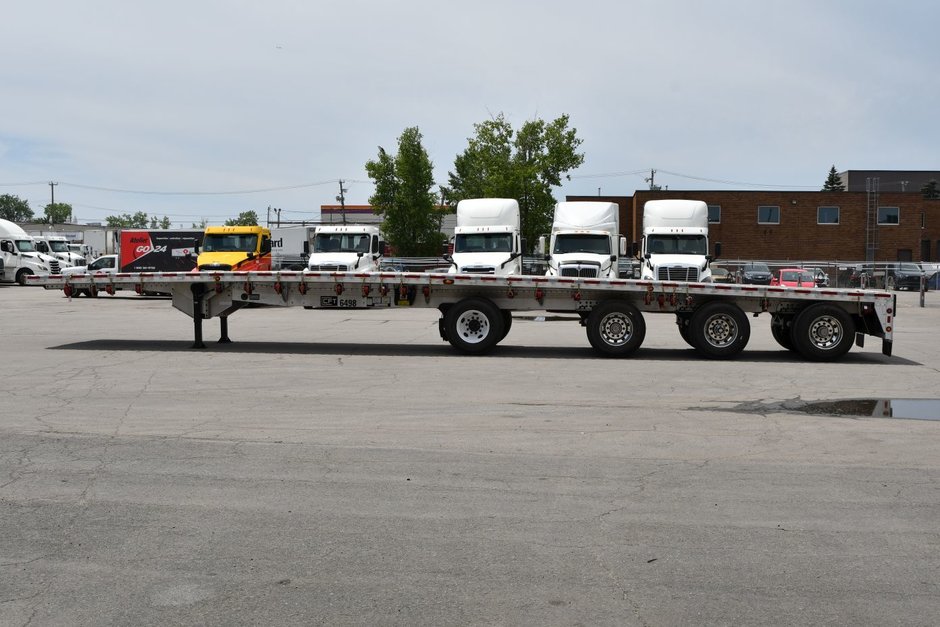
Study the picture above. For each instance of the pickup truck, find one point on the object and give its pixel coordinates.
(106, 264)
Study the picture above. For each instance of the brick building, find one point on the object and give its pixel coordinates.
(775, 225)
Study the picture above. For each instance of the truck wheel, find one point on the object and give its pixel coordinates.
(823, 332)
(473, 325)
(781, 327)
(719, 330)
(683, 321)
(615, 328)
(22, 274)
(507, 322)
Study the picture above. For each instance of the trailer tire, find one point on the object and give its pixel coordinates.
(823, 332)
(683, 321)
(507, 322)
(781, 327)
(473, 326)
(615, 328)
(719, 330)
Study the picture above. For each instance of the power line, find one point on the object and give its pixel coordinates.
(691, 177)
(194, 193)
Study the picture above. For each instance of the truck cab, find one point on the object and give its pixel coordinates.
(19, 254)
(585, 241)
(235, 248)
(675, 241)
(487, 238)
(58, 246)
(346, 248)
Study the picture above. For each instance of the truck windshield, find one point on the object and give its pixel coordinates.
(341, 243)
(483, 243)
(677, 244)
(581, 243)
(59, 246)
(25, 246)
(230, 242)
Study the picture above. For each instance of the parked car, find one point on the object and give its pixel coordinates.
(907, 276)
(793, 277)
(721, 275)
(755, 273)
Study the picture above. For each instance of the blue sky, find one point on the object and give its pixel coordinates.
(183, 108)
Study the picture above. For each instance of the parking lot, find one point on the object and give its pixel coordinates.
(348, 467)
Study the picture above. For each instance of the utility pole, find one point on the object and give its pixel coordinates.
(651, 180)
(52, 204)
(342, 199)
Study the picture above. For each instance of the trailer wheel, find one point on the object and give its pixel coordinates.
(22, 274)
(719, 330)
(683, 321)
(823, 332)
(781, 327)
(473, 325)
(507, 322)
(615, 328)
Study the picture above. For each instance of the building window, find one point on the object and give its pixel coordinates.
(889, 215)
(768, 214)
(714, 214)
(827, 215)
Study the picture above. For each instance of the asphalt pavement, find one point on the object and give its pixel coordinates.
(349, 468)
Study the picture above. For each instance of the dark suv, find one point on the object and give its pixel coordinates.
(755, 273)
(906, 276)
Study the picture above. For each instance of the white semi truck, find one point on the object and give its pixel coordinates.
(585, 240)
(675, 241)
(820, 324)
(58, 246)
(20, 257)
(346, 248)
(487, 238)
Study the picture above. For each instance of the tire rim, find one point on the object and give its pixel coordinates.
(616, 329)
(721, 330)
(826, 332)
(473, 327)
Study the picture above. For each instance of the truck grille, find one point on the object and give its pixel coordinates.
(478, 270)
(330, 267)
(54, 267)
(579, 271)
(678, 273)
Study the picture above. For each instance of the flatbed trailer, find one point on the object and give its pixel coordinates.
(820, 324)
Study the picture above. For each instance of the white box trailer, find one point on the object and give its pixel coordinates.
(476, 310)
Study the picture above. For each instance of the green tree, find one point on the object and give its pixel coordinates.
(57, 213)
(930, 190)
(403, 196)
(499, 163)
(127, 221)
(201, 224)
(833, 182)
(15, 209)
(245, 218)
(156, 223)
